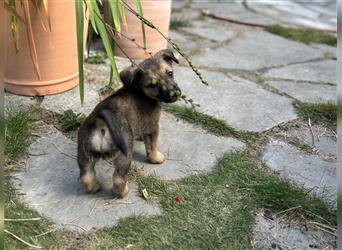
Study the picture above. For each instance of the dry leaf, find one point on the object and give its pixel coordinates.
(145, 194)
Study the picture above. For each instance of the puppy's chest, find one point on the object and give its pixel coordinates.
(146, 126)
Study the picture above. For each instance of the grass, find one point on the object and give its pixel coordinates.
(217, 209)
(96, 59)
(178, 23)
(300, 144)
(304, 36)
(213, 125)
(18, 125)
(15, 210)
(216, 212)
(70, 120)
(323, 113)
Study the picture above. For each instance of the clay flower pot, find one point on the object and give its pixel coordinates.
(56, 52)
(158, 13)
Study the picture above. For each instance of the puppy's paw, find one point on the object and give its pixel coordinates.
(120, 187)
(90, 184)
(156, 158)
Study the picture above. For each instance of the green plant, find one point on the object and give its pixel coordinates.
(18, 125)
(178, 23)
(71, 120)
(42, 9)
(96, 59)
(116, 19)
(106, 31)
(301, 35)
(109, 30)
(325, 113)
(211, 124)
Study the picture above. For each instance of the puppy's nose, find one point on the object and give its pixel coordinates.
(176, 89)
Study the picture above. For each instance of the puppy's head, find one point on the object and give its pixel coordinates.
(143, 78)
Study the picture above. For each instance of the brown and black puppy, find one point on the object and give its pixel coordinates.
(132, 112)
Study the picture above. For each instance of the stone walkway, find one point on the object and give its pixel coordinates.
(253, 76)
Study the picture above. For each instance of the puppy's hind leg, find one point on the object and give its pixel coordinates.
(87, 172)
(122, 166)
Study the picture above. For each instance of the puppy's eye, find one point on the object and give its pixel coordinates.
(170, 73)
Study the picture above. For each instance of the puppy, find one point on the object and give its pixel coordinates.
(132, 112)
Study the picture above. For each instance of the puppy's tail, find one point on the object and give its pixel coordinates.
(114, 129)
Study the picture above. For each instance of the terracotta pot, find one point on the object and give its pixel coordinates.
(156, 11)
(56, 52)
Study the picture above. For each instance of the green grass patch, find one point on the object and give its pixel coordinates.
(304, 36)
(300, 144)
(218, 209)
(324, 113)
(16, 210)
(216, 212)
(96, 59)
(70, 120)
(178, 23)
(18, 125)
(209, 123)
(38, 232)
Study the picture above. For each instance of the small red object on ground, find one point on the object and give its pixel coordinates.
(178, 198)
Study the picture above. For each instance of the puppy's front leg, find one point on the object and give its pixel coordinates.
(152, 154)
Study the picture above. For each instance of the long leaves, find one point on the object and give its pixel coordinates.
(115, 15)
(140, 12)
(79, 28)
(42, 8)
(30, 38)
(105, 39)
(14, 23)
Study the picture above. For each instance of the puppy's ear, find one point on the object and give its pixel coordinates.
(129, 76)
(168, 56)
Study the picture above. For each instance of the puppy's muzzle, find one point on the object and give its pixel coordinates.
(166, 97)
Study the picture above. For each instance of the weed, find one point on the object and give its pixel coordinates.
(18, 125)
(96, 59)
(325, 113)
(209, 123)
(178, 23)
(223, 202)
(304, 36)
(70, 120)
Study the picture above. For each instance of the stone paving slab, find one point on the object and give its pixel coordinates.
(309, 171)
(51, 187)
(178, 5)
(303, 15)
(256, 50)
(221, 32)
(17, 102)
(330, 51)
(188, 150)
(321, 71)
(297, 14)
(185, 14)
(235, 11)
(241, 103)
(268, 13)
(189, 43)
(306, 92)
(71, 100)
(324, 139)
(279, 235)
